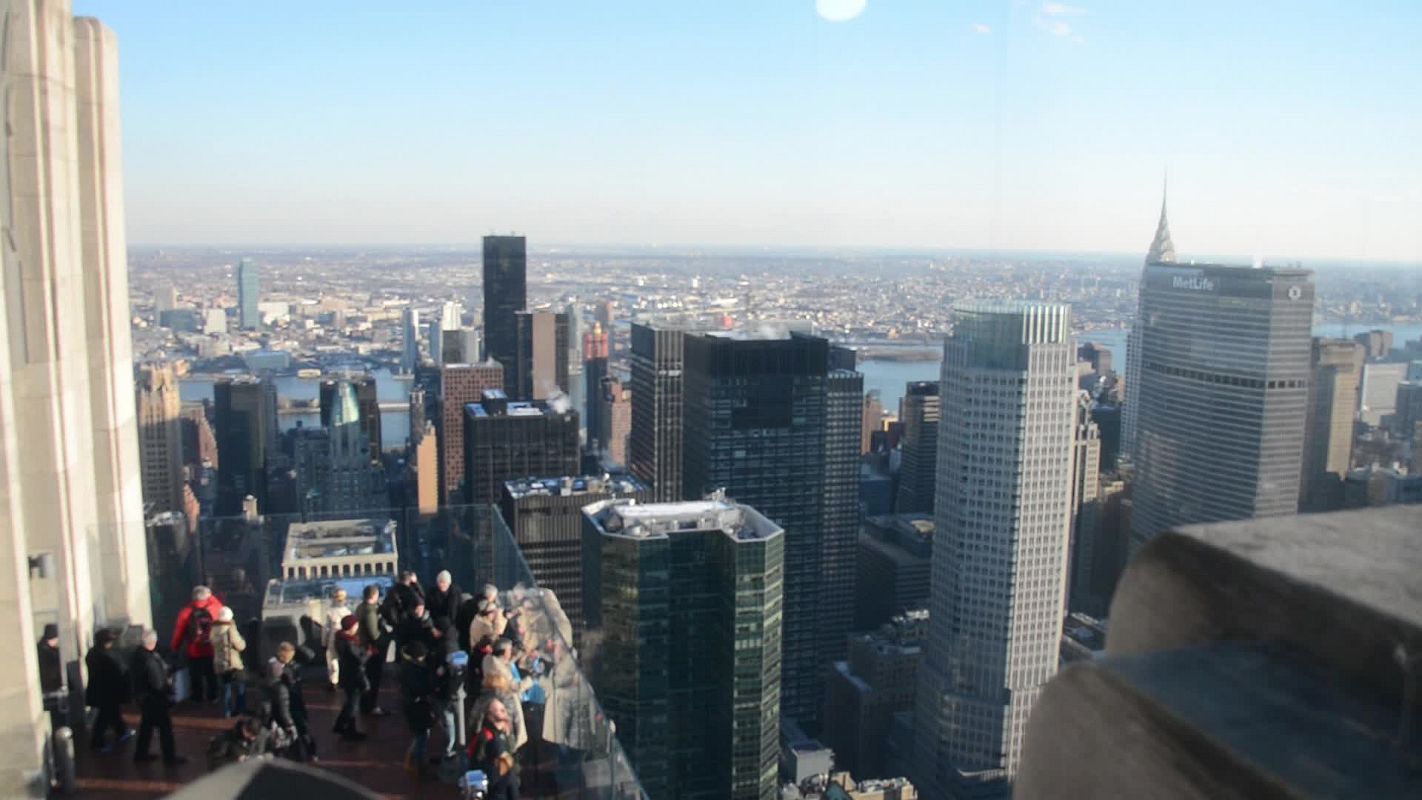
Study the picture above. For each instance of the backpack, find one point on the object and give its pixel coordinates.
(201, 623)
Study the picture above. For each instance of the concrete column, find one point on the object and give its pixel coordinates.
(117, 472)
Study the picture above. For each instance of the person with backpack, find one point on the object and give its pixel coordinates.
(248, 739)
(227, 648)
(192, 640)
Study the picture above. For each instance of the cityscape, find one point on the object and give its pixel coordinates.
(538, 517)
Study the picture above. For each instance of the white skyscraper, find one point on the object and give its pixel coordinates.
(1003, 513)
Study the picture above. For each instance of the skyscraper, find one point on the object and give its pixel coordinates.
(410, 347)
(873, 420)
(334, 468)
(1221, 393)
(1000, 551)
(506, 440)
(594, 370)
(615, 412)
(688, 598)
(1337, 370)
(844, 425)
(245, 417)
(459, 385)
(1161, 251)
(70, 474)
(249, 294)
(919, 469)
(1085, 501)
(160, 438)
(505, 294)
(654, 448)
(541, 355)
(759, 423)
(367, 401)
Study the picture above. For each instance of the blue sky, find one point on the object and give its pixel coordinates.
(1289, 129)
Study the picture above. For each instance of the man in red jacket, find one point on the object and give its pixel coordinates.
(192, 638)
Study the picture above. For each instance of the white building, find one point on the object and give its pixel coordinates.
(1003, 516)
(339, 549)
(71, 505)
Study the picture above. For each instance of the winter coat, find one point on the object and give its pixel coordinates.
(227, 647)
(368, 614)
(150, 677)
(463, 618)
(417, 686)
(188, 640)
(443, 606)
(332, 628)
(510, 700)
(416, 629)
(351, 656)
(51, 668)
(566, 713)
(108, 678)
(483, 626)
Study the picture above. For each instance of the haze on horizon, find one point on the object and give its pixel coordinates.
(977, 125)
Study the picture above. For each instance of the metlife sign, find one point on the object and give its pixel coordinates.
(1193, 283)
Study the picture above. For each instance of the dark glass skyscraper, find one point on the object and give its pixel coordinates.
(920, 449)
(541, 355)
(687, 598)
(654, 448)
(504, 441)
(1221, 393)
(249, 294)
(244, 414)
(505, 294)
(758, 424)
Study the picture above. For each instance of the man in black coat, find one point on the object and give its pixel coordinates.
(151, 690)
(443, 601)
(51, 667)
(354, 681)
(107, 690)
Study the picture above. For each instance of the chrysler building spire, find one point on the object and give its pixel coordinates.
(1162, 250)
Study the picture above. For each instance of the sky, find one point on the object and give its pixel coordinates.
(1288, 129)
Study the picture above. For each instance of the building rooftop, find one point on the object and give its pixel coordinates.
(339, 538)
(623, 517)
(548, 487)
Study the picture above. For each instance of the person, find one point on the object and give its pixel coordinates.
(401, 599)
(372, 635)
(51, 669)
(246, 740)
(503, 781)
(499, 685)
(106, 691)
(418, 689)
(227, 648)
(443, 601)
(416, 626)
(354, 682)
(464, 617)
(489, 622)
(493, 740)
(192, 637)
(336, 612)
(151, 688)
(289, 702)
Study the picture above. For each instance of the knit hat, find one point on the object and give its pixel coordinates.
(348, 621)
(51, 631)
(225, 615)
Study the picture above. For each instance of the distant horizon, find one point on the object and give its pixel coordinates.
(997, 125)
(693, 249)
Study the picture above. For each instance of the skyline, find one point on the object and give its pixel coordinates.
(1012, 126)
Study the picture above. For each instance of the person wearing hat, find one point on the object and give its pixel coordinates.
(351, 656)
(51, 669)
(417, 685)
(107, 690)
(227, 648)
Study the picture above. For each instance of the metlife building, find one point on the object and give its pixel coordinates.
(1223, 392)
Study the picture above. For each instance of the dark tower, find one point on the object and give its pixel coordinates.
(505, 294)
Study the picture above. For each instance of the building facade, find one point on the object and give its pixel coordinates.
(1085, 499)
(758, 424)
(868, 688)
(505, 294)
(505, 440)
(541, 355)
(410, 341)
(1336, 367)
(688, 601)
(1000, 560)
(249, 296)
(656, 440)
(245, 417)
(458, 385)
(1221, 393)
(160, 438)
(919, 468)
(594, 370)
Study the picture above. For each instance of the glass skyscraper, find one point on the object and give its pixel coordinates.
(505, 294)
(687, 601)
(1003, 521)
(766, 420)
(249, 294)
